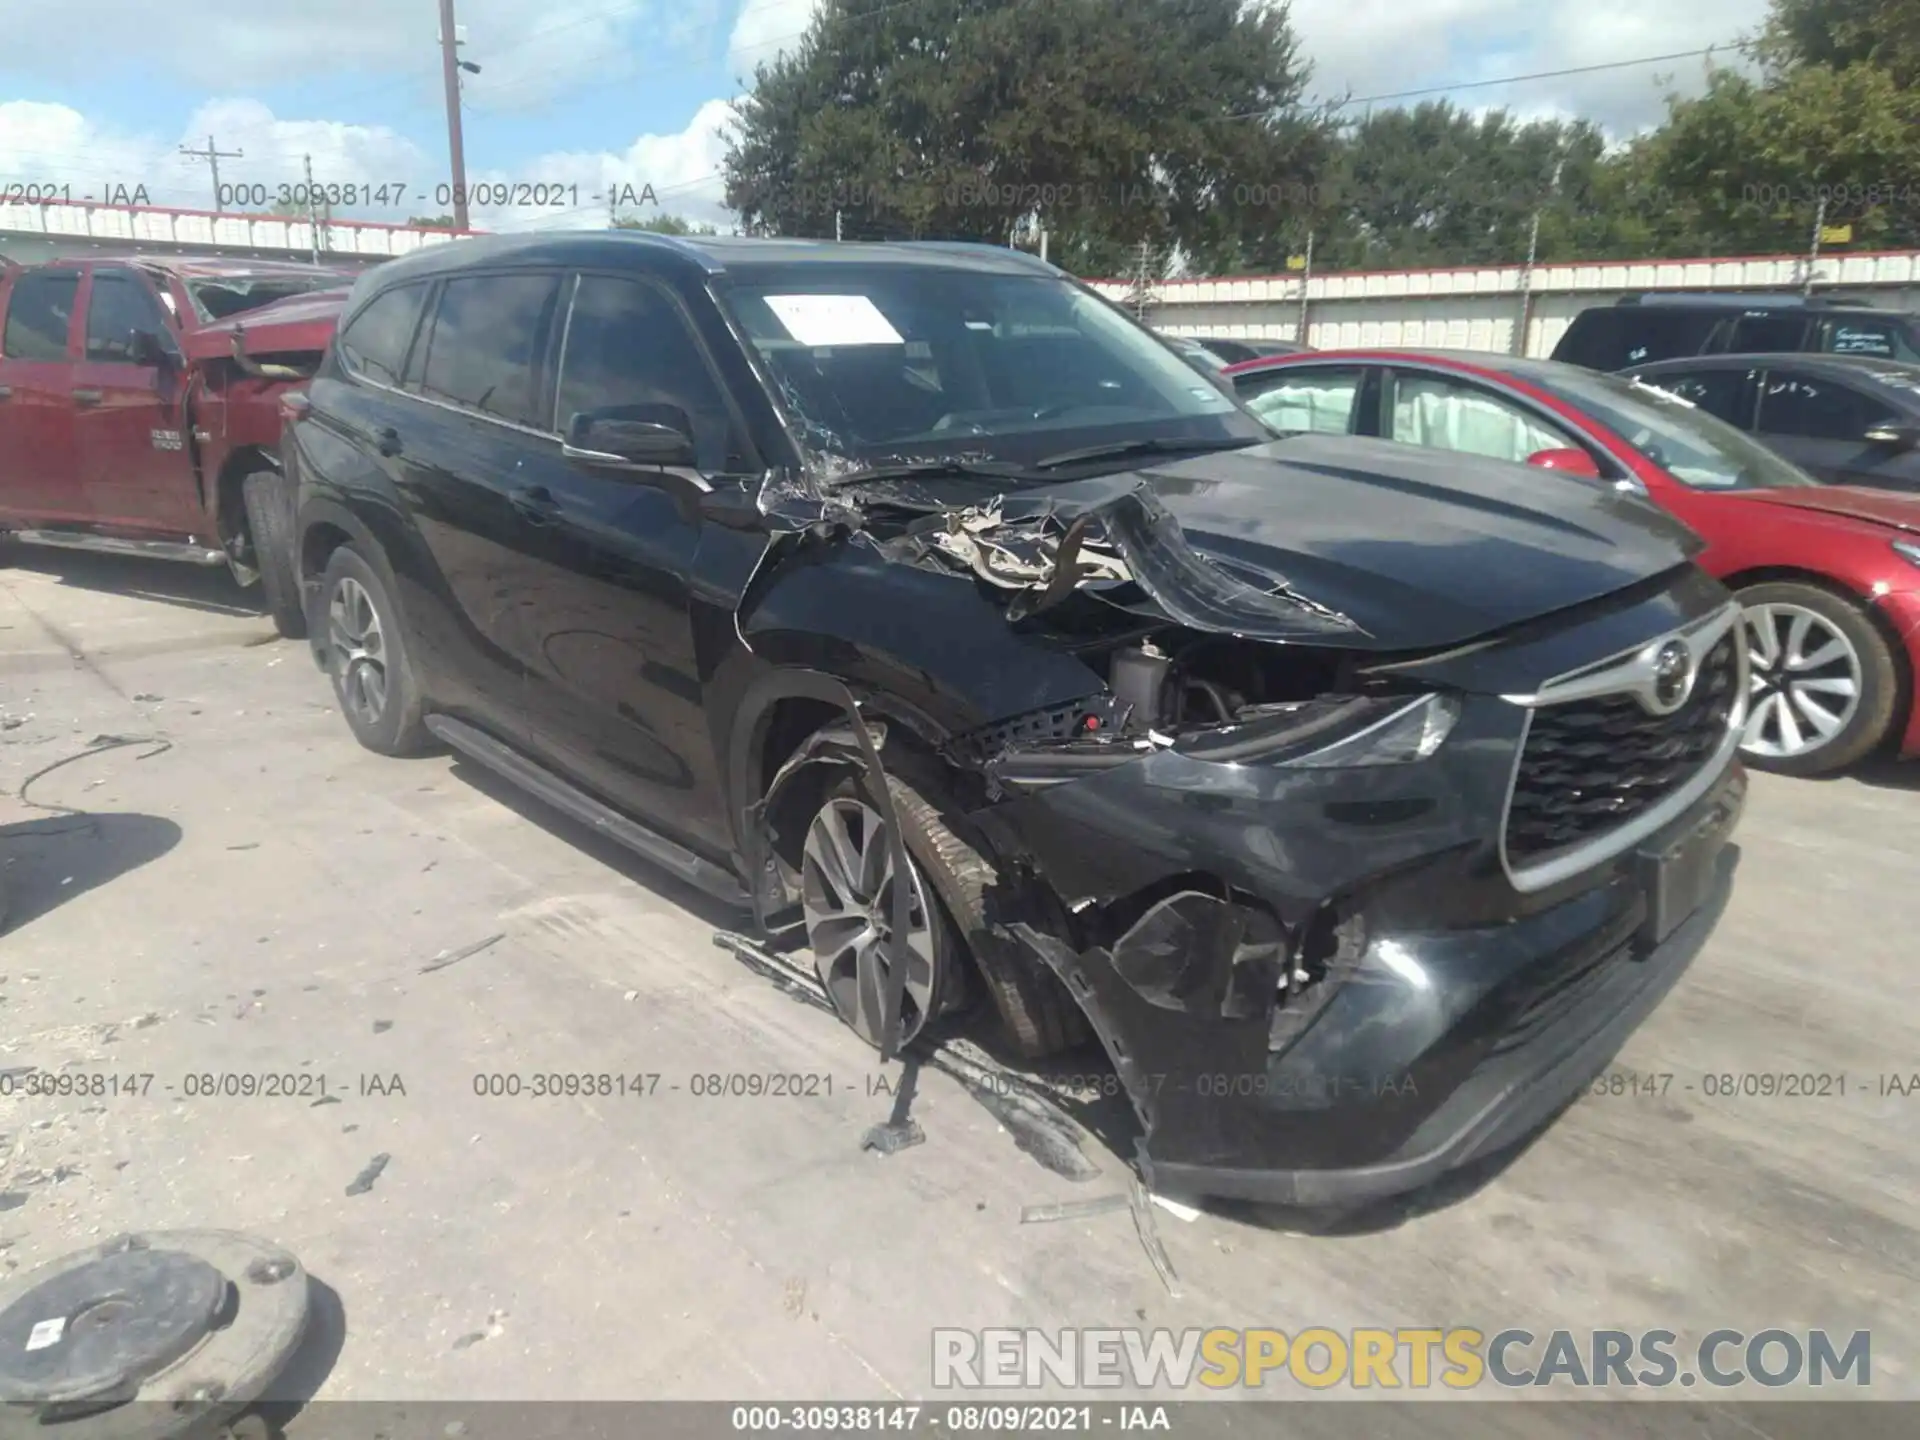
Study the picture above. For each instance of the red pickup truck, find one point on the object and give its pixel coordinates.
(140, 407)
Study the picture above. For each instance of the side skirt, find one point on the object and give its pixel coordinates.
(568, 798)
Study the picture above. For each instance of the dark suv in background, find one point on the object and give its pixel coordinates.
(1639, 329)
(1359, 799)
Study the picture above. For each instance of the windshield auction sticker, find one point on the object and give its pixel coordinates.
(823, 320)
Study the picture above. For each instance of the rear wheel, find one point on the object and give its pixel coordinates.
(1824, 684)
(272, 532)
(366, 656)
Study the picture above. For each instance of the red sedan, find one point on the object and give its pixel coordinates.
(1829, 574)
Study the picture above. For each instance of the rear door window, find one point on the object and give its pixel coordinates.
(39, 314)
(488, 342)
(1324, 401)
(1725, 394)
(1815, 408)
(1444, 414)
(375, 343)
(1763, 333)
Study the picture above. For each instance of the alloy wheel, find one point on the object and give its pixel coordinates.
(1805, 681)
(846, 889)
(360, 650)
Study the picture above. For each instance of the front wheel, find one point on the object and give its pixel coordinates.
(1824, 684)
(366, 656)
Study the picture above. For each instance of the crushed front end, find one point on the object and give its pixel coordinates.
(1345, 919)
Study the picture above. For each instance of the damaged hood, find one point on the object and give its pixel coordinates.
(297, 323)
(1360, 544)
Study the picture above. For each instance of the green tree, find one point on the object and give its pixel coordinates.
(664, 225)
(1109, 122)
(1833, 116)
(430, 222)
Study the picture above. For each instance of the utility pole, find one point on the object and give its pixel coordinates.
(1813, 252)
(313, 214)
(1306, 279)
(450, 68)
(1526, 276)
(213, 155)
(836, 225)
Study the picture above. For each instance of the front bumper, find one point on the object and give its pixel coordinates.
(1425, 1046)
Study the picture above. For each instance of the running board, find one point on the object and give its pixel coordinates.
(114, 545)
(568, 798)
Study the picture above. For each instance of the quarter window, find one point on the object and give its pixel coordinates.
(489, 334)
(375, 344)
(120, 307)
(631, 355)
(39, 314)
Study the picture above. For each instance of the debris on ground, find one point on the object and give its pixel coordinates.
(454, 957)
(363, 1182)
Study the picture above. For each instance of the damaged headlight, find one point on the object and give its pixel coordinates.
(1412, 731)
(1340, 733)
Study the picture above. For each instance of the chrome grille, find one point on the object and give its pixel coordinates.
(1593, 764)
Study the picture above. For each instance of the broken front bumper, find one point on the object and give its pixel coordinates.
(1448, 1015)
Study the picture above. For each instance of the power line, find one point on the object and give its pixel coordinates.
(1537, 75)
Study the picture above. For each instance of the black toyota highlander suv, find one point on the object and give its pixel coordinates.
(1359, 800)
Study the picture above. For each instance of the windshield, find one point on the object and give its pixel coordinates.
(875, 363)
(218, 297)
(1698, 450)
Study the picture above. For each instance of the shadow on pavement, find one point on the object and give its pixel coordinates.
(289, 1391)
(211, 590)
(46, 863)
(1885, 773)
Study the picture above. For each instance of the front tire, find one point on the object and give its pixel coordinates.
(1825, 685)
(367, 658)
(272, 532)
(1038, 1016)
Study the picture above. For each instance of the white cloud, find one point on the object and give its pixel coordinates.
(681, 170)
(1383, 47)
(765, 30)
(43, 143)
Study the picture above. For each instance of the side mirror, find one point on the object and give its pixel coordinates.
(1900, 437)
(146, 348)
(1572, 462)
(640, 435)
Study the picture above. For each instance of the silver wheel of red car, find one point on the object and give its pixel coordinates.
(846, 888)
(1822, 682)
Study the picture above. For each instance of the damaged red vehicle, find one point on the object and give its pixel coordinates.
(140, 407)
(1359, 799)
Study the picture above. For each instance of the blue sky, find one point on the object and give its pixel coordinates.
(593, 94)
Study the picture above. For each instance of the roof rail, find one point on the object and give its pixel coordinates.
(1740, 300)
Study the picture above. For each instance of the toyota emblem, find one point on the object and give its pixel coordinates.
(1672, 677)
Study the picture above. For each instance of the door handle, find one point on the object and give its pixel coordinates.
(88, 397)
(387, 441)
(536, 505)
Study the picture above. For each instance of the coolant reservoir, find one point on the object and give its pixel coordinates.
(1139, 677)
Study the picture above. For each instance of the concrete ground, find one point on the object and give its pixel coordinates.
(223, 882)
